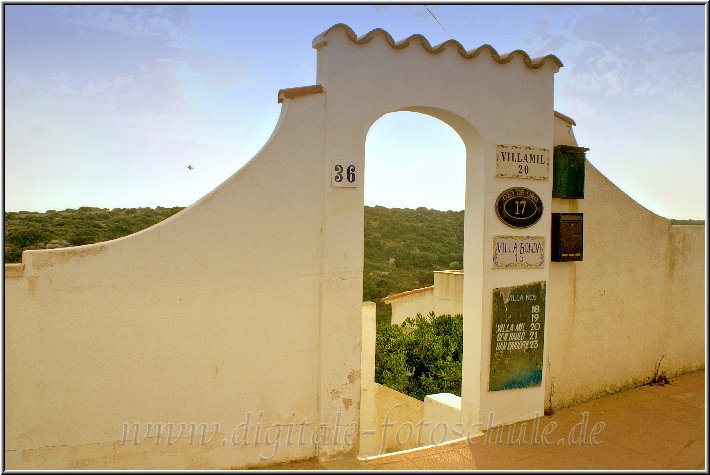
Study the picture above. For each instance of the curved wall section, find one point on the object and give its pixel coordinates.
(194, 320)
(636, 300)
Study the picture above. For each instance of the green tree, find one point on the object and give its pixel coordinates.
(421, 356)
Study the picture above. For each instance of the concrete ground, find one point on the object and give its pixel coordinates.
(647, 428)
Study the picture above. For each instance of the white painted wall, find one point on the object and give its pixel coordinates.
(442, 419)
(444, 297)
(409, 304)
(638, 295)
(448, 292)
(468, 94)
(206, 316)
(395, 423)
(564, 135)
(250, 299)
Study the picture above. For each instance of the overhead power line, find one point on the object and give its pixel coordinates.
(437, 20)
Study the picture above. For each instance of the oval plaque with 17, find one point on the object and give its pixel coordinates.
(519, 207)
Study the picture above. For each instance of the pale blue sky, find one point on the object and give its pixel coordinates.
(107, 105)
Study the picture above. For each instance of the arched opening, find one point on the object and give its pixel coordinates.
(414, 194)
(414, 187)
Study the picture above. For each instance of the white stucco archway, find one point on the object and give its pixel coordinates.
(261, 279)
(424, 159)
(248, 302)
(365, 78)
(444, 155)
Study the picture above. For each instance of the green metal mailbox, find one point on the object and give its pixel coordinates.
(568, 172)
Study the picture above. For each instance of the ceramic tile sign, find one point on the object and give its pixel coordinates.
(343, 175)
(518, 207)
(520, 161)
(517, 337)
(518, 251)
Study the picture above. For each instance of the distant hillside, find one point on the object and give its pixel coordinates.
(688, 222)
(402, 246)
(74, 227)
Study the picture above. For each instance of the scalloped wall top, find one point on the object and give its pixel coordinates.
(532, 63)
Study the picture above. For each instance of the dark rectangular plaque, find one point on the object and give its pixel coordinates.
(517, 337)
(567, 234)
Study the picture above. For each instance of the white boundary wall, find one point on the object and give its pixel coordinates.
(205, 317)
(249, 301)
(638, 295)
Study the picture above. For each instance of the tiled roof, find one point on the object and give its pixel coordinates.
(294, 92)
(567, 119)
(408, 292)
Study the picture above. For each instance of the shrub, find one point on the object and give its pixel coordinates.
(421, 356)
(27, 236)
(86, 225)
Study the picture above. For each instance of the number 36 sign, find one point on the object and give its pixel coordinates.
(343, 175)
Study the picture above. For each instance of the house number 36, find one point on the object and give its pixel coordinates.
(344, 175)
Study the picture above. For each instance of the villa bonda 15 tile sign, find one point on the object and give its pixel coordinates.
(517, 337)
(519, 207)
(520, 161)
(518, 251)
